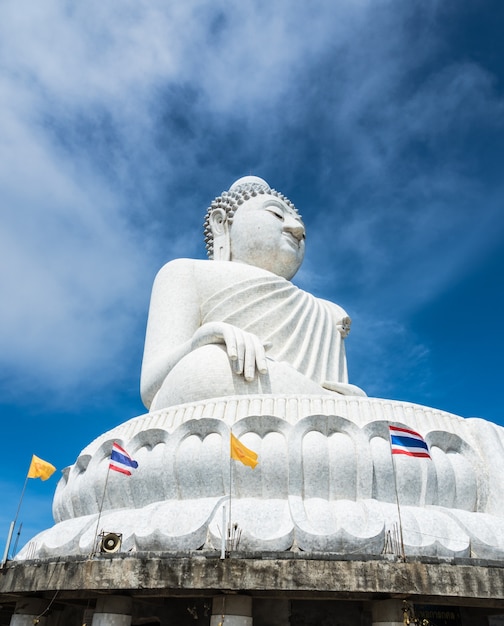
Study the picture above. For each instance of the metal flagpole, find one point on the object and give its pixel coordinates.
(93, 551)
(223, 534)
(18, 535)
(13, 524)
(7, 545)
(403, 554)
(230, 491)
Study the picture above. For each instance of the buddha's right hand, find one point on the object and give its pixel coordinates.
(244, 349)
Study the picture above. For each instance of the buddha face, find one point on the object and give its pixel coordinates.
(267, 233)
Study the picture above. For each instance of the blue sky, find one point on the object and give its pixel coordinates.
(383, 121)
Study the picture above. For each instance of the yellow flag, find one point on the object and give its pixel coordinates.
(40, 469)
(240, 453)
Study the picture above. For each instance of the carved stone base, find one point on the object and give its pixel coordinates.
(325, 481)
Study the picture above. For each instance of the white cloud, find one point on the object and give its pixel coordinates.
(122, 119)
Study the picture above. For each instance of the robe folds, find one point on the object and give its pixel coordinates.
(306, 332)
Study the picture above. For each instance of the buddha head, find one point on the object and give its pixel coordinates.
(256, 225)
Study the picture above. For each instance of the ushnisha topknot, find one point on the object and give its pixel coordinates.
(239, 192)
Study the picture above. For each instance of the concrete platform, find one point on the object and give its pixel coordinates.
(476, 587)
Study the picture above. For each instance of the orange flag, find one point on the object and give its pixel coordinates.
(241, 453)
(40, 469)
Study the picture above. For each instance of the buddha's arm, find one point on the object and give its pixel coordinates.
(174, 330)
(173, 319)
(342, 323)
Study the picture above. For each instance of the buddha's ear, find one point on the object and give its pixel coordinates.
(220, 230)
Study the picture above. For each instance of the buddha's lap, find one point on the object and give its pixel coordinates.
(208, 373)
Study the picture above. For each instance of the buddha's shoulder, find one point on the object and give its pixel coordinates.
(186, 269)
(181, 268)
(337, 312)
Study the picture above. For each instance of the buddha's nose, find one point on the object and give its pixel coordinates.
(295, 227)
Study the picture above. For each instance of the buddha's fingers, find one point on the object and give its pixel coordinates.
(249, 365)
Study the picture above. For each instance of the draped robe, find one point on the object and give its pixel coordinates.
(304, 331)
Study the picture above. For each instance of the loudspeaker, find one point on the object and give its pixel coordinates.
(111, 542)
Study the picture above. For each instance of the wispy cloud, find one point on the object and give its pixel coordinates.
(122, 120)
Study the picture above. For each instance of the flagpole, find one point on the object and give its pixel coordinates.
(93, 551)
(18, 534)
(223, 533)
(13, 524)
(403, 554)
(230, 491)
(7, 545)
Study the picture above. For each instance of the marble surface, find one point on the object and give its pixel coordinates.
(232, 344)
(237, 324)
(324, 483)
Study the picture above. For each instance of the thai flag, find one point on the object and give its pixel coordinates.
(120, 460)
(409, 442)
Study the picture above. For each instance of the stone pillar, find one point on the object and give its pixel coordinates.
(27, 612)
(387, 613)
(112, 611)
(231, 611)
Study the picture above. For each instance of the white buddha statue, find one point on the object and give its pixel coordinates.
(236, 325)
(232, 346)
